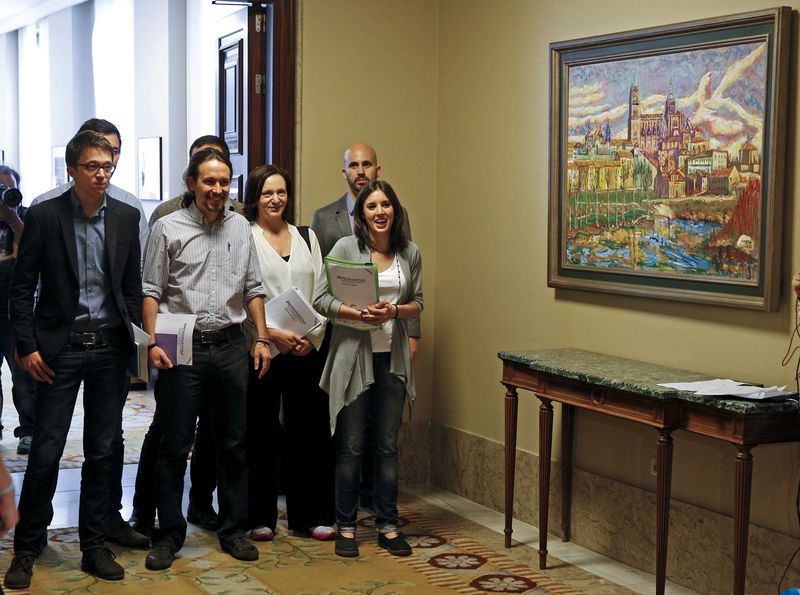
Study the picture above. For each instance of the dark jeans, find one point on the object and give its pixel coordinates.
(23, 389)
(307, 443)
(202, 469)
(103, 371)
(383, 402)
(222, 368)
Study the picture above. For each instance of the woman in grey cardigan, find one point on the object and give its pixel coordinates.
(368, 374)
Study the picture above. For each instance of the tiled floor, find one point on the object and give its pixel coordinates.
(65, 506)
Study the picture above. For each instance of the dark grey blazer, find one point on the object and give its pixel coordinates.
(330, 223)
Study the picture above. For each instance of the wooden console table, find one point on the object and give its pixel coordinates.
(628, 389)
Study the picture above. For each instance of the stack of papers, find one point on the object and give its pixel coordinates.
(355, 284)
(729, 388)
(290, 311)
(174, 336)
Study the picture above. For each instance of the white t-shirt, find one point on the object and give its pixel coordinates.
(390, 282)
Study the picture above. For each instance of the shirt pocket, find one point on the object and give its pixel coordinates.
(235, 261)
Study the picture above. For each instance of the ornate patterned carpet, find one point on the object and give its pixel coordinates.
(451, 555)
(136, 419)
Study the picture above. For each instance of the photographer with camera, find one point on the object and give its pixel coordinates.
(24, 387)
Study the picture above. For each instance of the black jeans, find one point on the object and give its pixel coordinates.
(202, 469)
(103, 370)
(222, 369)
(307, 444)
(23, 389)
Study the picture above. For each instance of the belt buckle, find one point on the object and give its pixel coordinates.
(207, 337)
(88, 339)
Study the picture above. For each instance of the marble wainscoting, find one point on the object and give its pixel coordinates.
(414, 446)
(613, 518)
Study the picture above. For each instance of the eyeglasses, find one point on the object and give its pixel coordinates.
(92, 167)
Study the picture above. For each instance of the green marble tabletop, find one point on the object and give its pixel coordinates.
(635, 376)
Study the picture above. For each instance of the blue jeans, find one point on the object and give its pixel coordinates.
(103, 370)
(383, 402)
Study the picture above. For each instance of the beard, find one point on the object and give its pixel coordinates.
(355, 188)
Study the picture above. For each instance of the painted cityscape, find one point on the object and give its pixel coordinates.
(664, 157)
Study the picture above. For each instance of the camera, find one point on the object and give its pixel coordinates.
(11, 197)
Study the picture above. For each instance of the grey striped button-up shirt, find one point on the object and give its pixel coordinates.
(192, 267)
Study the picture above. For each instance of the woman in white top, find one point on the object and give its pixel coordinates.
(289, 257)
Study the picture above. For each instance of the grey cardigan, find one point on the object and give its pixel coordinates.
(348, 369)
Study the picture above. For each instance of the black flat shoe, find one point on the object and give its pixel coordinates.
(347, 547)
(397, 546)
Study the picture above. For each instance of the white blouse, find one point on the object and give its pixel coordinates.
(302, 271)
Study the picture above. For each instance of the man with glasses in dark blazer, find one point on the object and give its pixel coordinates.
(82, 250)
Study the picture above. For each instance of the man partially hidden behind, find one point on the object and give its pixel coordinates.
(201, 260)
(84, 247)
(23, 390)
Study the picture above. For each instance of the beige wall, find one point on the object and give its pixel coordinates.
(454, 94)
(368, 74)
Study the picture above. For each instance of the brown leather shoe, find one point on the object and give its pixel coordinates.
(120, 532)
(100, 563)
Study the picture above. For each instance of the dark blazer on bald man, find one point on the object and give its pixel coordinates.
(48, 252)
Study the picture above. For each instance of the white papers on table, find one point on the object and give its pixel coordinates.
(725, 387)
(355, 284)
(174, 336)
(290, 311)
(138, 365)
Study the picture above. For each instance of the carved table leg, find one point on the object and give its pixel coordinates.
(663, 486)
(567, 430)
(511, 456)
(741, 517)
(545, 452)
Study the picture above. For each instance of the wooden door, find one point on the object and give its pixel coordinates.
(256, 87)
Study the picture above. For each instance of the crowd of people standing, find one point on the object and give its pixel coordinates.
(263, 410)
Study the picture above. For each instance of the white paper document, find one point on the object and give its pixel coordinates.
(139, 363)
(290, 311)
(725, 387)
(355, 284)
(174, 336)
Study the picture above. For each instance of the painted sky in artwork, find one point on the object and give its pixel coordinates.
(721, 90)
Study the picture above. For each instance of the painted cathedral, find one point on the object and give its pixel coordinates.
(654, 132)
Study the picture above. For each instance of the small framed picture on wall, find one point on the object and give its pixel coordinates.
(149, 168)
(59, 169)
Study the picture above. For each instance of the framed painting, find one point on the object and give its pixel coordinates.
(149, 174)
(59, 166)
(667, 161)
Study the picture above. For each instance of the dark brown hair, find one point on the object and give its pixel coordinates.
(193, 170)
(397, 237)
(252, 191)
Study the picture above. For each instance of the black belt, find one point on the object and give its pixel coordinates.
(217, 336)
(91, 338)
